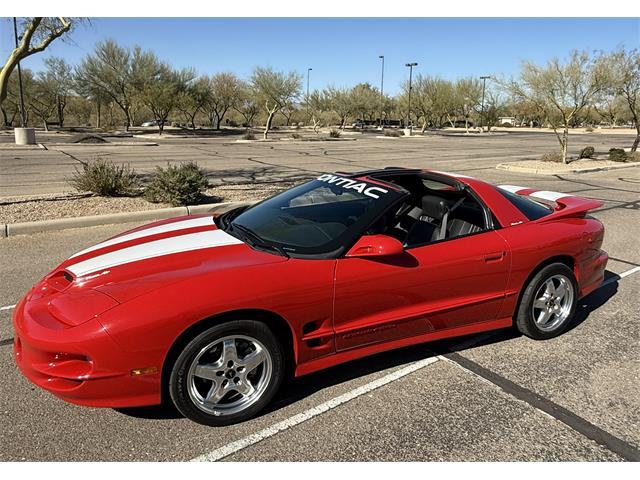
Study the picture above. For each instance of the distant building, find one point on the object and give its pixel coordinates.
(505, 120)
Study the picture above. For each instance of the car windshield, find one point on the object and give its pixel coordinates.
(315, 218)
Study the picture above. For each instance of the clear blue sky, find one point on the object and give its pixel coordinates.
(344, 51)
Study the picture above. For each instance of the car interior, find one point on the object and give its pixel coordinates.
(434, 211)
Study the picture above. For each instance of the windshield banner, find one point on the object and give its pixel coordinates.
(350, 184)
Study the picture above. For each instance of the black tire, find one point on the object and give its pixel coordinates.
(180, 381)
(525, 321)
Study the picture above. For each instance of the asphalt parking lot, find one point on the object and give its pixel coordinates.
(495, 396)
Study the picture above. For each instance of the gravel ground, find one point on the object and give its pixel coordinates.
(30, 209)
(568, 167)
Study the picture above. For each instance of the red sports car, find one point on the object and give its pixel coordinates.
(211, 311)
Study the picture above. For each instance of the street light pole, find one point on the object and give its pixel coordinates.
(484, 81)
(308, 70)
(22, 115)
(381, 90)
(410, 65)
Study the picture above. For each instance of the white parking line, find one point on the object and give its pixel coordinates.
(8, 307)
(254, 438)
(620, 276)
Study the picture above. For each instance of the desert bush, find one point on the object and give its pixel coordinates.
(392, 133)
(334, 133)
(587, 152)
(104, 178)
(552, 157)
(588, 129)
(506, 124)
(183, 184)
(248, 136)
(633, 157)
(617, 155)
(296, 136)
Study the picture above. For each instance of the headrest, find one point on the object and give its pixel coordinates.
(434, 207)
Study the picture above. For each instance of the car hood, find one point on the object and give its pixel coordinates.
(154, 256)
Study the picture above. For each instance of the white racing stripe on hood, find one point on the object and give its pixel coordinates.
(168, 227)
(157, 248)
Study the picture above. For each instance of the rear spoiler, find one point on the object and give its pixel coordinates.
(564, 205)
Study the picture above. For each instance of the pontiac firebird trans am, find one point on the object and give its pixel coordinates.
(212, 311)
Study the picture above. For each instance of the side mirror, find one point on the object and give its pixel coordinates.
(376, 246)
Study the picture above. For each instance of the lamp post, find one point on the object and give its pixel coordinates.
(308, 70)
(22, 116)
(381, 90)
(484, 81)
(410, 65)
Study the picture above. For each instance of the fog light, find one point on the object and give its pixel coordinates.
(144, 371)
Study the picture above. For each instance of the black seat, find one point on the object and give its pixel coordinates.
(428, 226)
(464, 221)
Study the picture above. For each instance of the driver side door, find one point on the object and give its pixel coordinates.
(435, 287)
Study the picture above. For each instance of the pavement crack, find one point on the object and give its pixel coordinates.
(581, 425)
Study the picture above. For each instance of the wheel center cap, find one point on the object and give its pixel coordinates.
(230, 374)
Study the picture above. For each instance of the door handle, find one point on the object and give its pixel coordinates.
(494, 257)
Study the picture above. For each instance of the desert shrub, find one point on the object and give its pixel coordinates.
(296, 136)
(334, 133)
(588, 129)
(104, 178)
(617, 155)
(552, 157)
(633, 157)
(506, 124)
(248, 136)
(392, 133)
(181, 184)
(587, 152)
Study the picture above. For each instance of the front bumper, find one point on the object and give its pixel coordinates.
(80, 364)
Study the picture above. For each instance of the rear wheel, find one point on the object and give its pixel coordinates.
(548, 302)
(228, 373)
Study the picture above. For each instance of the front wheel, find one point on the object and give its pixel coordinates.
(548, 302)
(228, 373)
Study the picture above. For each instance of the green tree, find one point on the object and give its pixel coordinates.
(625, 79)
(161, 89)
(117, 73)
(340, 102)
(247, 103)
(36, 34)
(274, 90)
(193, 100)
(224, 94)
(562, 90)
(57, 82)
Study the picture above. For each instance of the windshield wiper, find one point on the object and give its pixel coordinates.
(256, 241)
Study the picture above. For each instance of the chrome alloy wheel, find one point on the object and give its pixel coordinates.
(229, 375)
(552, 303)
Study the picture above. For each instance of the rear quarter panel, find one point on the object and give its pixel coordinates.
(534, 243)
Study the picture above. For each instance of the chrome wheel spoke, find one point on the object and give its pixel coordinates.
(206, 371)
(216, 392)
(561, 291)
(229, 352)
(544, 317)
(540, 303)
(244, 387)
(253, 360)
(550, 287)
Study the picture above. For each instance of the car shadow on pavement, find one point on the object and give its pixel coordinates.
(297, 389)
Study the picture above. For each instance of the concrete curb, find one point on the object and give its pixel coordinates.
(11, 229)
(104, 144)
(513, 167)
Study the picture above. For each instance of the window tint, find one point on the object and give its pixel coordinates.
(319, 216)
(532, 210)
